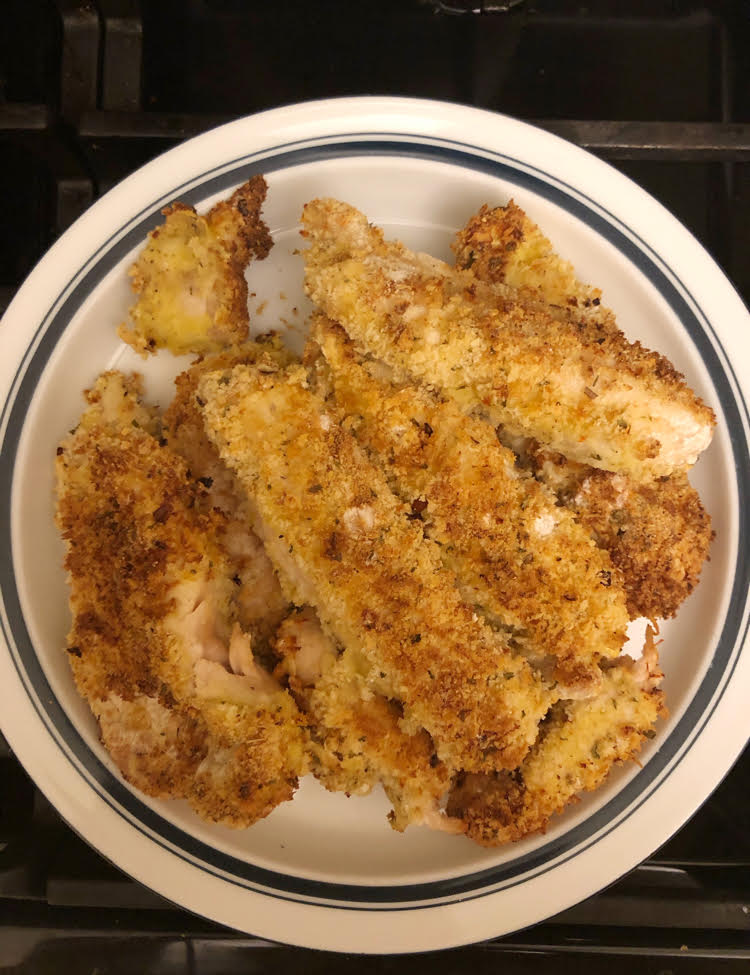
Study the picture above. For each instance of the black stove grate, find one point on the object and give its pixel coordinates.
(89, 91)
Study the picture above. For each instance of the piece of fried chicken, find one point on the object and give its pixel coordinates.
(183, 708)
(658, 534)
(502, 246)
(578, 745)
(261, 605)
(190, 277)
(355, 739)
(520, 560)
(342, 543)
(610, 403)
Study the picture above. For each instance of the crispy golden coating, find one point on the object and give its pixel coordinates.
(501, 246)
(190, 280)
(182, 423)
(341, 542)
(356, 741)
(658, 534)
(255, 756)
(578, 745)
(115, 400)
(521, 560)
(260, 602)
(157, 746)
(608, 402)
(153, 643)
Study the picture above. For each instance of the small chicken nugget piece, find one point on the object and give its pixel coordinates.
(190, 277)
(342, 543)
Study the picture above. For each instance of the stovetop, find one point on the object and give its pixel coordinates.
(89, 91)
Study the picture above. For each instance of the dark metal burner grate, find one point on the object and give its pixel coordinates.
(89, 91)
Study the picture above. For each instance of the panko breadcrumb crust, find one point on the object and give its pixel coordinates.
(522, 561)
(142, 560)
(578, 745)
(190, 277)
(355, 736)
(657, 533)
(502, 246)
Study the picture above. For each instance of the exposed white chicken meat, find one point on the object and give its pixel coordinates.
(153, 633)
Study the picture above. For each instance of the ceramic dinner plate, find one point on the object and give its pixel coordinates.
(326, 871)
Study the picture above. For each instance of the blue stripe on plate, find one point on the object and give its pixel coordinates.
(479, 883)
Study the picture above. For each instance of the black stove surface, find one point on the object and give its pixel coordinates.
(89, 91)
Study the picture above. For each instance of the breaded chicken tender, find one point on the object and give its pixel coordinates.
(356, 741)
(658, 534)
(502, 246)
(261, 604)
(190, 280)
(342, 543)
(609, 403)
(521, 560)
(182, 705)
(578, 745)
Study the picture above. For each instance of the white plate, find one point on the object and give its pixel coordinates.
(324, 871)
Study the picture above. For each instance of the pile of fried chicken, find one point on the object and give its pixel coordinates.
(408, 559)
